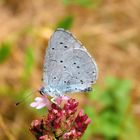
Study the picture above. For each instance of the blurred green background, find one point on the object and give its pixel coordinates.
(109, 29)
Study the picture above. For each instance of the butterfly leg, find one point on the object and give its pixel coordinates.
(53, 100)
(57, 100)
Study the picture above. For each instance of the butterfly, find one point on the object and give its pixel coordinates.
(68, 67)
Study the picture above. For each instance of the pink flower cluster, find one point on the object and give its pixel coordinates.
(61, 123)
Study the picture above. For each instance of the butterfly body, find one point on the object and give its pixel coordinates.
(68, 66)
(50, 91)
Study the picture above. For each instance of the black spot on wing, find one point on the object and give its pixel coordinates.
(65, 47)
(87, 89)
(81, 81)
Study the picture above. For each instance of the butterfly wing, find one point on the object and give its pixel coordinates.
(80, 72)
(68, 66)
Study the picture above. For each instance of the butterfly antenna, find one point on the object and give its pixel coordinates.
(21, 101)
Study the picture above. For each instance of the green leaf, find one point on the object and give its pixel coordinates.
(67, 2)
(123, 88)
(28, 62)
(110, 82)
(95, 94)
(113, 101)
(29, 59)
(66, 22)
(131, 130)
(88, 132)
(5, 50)
(83, 3)
(90, 112)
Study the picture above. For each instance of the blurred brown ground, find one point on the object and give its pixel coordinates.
(111, 33)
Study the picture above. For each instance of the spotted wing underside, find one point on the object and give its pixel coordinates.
(68, 66)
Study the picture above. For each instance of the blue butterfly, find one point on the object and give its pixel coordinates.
(68, 67)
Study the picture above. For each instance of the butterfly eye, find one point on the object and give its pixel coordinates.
(78, 67)
(61, 42)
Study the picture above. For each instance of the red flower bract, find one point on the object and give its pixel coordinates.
(61, 123)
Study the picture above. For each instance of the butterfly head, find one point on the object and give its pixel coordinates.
(43, 90)
(49, 91)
